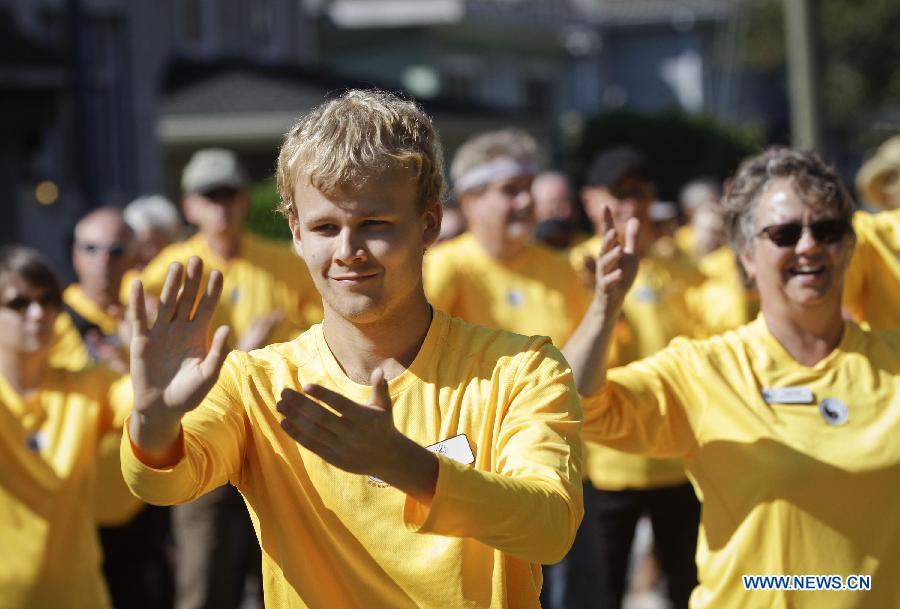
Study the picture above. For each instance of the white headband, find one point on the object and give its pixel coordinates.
(498, 169)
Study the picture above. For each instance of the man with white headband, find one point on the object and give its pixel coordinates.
(496, 274)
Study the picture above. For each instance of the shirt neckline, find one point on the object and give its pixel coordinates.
(437, 331)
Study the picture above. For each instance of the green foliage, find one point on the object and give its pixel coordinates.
(681, 146)
(263, 217)
(859, 51)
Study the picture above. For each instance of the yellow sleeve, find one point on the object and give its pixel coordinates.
(441, 282)
(214, 437)
(856, 278)
(530, 505)
(641, 407)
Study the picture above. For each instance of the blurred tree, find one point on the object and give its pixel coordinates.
(263, 217)
(680, 146)
(859, 49)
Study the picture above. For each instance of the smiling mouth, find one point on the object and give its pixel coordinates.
(809, 270)
(353, 279)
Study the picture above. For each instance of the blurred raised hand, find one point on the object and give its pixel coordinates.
(617, 264)
(257, 335)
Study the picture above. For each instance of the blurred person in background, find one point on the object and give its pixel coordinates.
(267, 297)
(91, 329)
(555, 210)
(51, 422)
(664, 216)
(787, 425)
(694, 195)
(872, 284)
(726, 299)
(156, 224)
(495, 274)
(621, 487)
(710, 231)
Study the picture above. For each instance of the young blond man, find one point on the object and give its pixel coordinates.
(326, 435)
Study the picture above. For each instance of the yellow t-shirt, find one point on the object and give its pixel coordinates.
(654, 313)
(335, 540)
(872, 282)
(536, 293)
(264, 277)
(686, 240)
(49, 551)
(722, 302)
(787, 488)
(69, 351)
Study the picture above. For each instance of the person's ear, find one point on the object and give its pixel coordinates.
(294, 224)
(432, 217)
(747, 262)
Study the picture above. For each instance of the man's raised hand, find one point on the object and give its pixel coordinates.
(173, 365)
(359, 438)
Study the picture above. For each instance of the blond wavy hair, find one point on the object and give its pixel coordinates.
(356, 137)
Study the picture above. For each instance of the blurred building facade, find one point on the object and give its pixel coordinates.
(105, 99)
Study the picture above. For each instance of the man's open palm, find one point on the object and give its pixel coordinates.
(174, 364)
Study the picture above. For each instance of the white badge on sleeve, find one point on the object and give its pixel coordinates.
(456, 448)
(788, 395)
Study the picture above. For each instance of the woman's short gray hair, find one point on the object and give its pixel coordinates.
(817, 183)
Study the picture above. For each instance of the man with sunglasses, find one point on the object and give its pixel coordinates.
(622, 487)
(101, 254)
(90, 331)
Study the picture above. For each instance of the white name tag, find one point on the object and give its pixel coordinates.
(788, 395)
(456, 448)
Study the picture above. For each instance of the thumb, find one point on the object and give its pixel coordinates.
(380, 396)
(631, 235)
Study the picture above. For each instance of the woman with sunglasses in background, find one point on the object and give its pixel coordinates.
(51, 422)
(788, 425)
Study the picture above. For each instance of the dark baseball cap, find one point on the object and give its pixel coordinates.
(613, 164)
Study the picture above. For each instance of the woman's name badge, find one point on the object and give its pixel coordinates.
(788, 395)
(456, 448)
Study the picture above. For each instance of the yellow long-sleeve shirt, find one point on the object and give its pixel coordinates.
(49, 551)
(335, 540)
(872, 282)
(535, 293)
(805, 481)
(263, 278)
(654, 312)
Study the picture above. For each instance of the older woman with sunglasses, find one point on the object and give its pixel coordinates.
(788, 425)
(51, 422)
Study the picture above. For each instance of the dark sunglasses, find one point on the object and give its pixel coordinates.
(20, 304)
(116, 250)
(823, 231)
